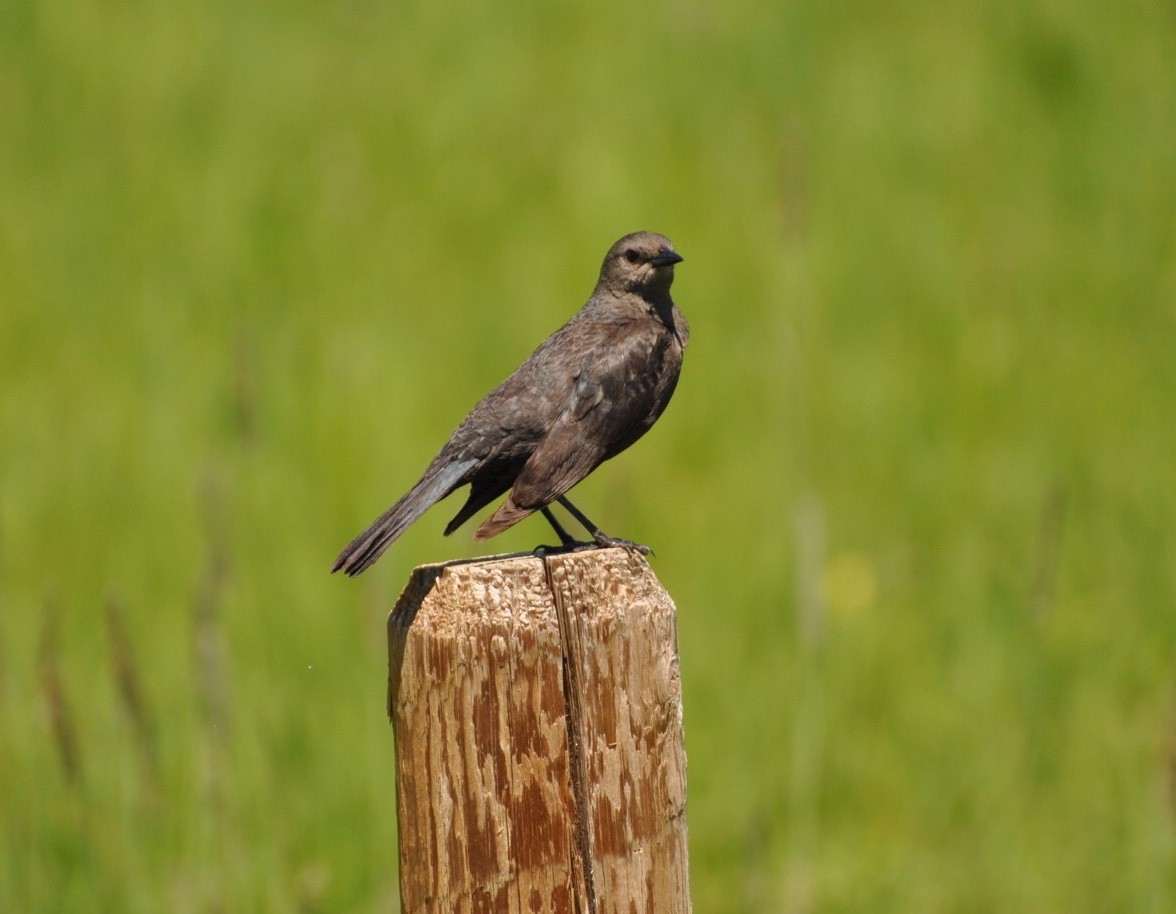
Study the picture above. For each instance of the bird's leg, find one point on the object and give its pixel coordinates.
(565, 538)
(599, 536)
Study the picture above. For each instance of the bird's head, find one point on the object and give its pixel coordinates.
(642, 262)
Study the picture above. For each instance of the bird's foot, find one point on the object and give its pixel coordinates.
(604, 541)
(562, 549)
(600, 539)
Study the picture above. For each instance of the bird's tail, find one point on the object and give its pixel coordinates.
(370, 545)
(507, 515)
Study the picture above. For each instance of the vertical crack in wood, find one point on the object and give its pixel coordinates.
(577, 761)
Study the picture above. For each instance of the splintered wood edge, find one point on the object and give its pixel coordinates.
(424, 578)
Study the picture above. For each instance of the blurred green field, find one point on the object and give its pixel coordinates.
(915, 497)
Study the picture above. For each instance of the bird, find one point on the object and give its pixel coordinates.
(588, 392)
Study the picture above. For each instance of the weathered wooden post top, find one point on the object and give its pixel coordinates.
(537, 710)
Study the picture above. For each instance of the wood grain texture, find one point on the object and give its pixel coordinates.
(537, 709)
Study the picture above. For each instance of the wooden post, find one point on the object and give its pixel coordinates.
(537, 709)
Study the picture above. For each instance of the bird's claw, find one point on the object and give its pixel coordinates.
(598, 542)
(543, 550)
(604, 541)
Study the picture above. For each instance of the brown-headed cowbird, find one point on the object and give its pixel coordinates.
(589, 391)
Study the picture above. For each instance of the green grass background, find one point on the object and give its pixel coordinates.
(915, 496)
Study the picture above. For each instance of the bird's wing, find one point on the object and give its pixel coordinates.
(612, 404)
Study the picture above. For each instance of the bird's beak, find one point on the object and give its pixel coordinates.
(666, 258)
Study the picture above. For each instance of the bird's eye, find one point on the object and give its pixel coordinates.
(632, 255)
